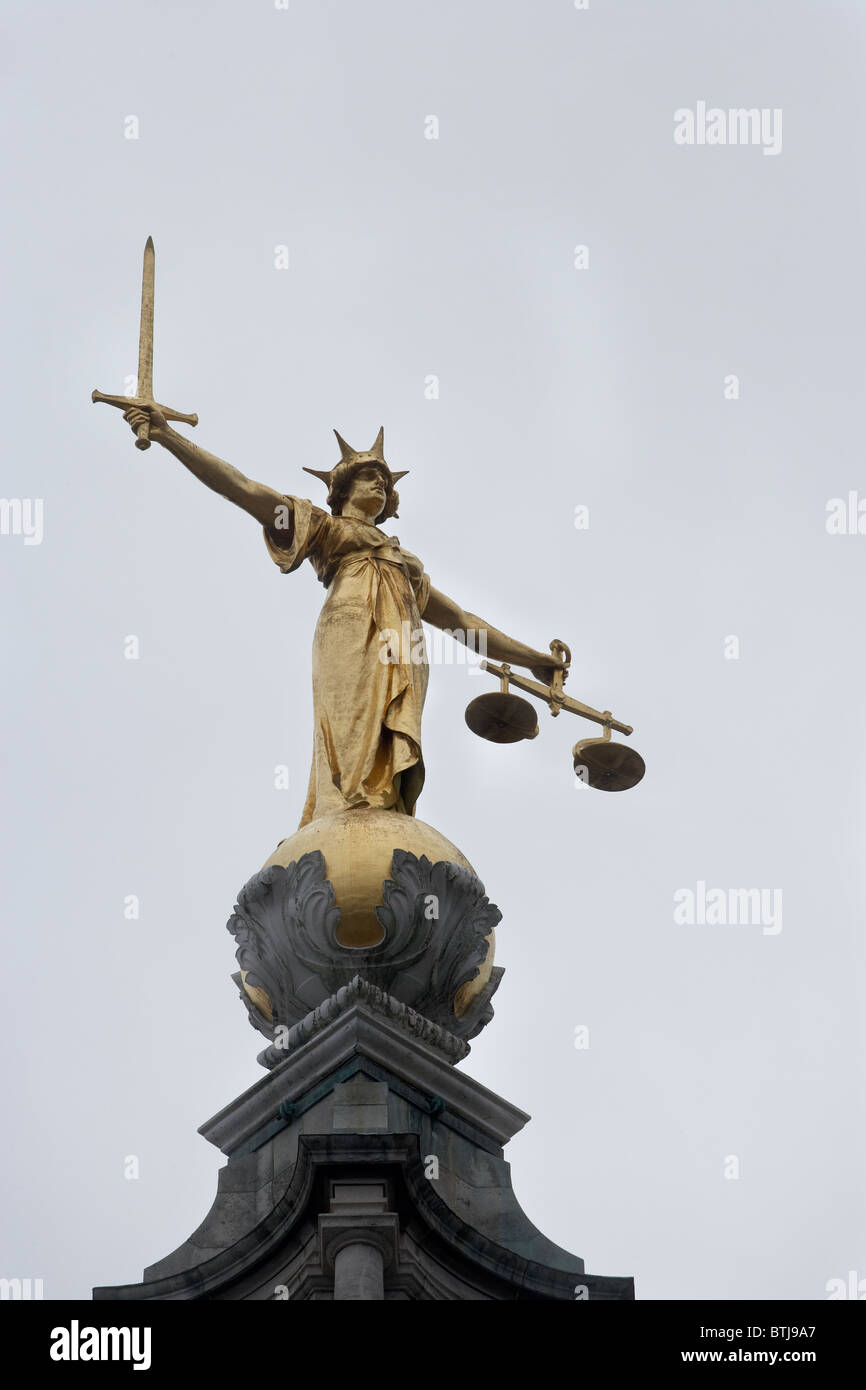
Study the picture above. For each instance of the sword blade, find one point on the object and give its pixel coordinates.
(144, 389)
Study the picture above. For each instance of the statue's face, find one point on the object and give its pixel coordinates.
(368, 491)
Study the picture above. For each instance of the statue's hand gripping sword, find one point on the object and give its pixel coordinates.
(144, 389)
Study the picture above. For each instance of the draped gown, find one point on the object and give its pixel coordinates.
(366, 710)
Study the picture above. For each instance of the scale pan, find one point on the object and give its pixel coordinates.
(502, 718)
(610, 767)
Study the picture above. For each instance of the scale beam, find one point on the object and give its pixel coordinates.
(556, 699)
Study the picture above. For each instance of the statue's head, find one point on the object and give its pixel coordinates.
(364, 478)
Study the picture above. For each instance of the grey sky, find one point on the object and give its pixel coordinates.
(559, 387)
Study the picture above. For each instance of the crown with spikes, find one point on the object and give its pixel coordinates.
(351, 460)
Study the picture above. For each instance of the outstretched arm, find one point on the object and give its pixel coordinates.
(258, 499)
(443, 612)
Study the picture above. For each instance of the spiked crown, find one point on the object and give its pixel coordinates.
(338, 479)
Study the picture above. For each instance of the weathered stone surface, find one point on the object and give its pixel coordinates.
(286, 926)
(430, 1191)
(445, 1044)
(384, 1041)
(360, 1106)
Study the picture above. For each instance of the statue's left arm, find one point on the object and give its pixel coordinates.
(443, 612)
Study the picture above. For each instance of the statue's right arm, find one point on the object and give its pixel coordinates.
(258, 499)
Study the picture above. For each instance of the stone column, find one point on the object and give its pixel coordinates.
(359, 1237)
(359, 1272)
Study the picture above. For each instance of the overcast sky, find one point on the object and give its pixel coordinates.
(696, 381)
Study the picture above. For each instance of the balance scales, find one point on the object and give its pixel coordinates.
(502, 717)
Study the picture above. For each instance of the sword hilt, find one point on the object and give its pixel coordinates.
(144, 403)
(142, 436)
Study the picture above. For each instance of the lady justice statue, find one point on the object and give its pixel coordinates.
(368, 691)
(361, 867)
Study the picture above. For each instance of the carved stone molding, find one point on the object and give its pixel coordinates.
(436, 919)
(447, 1045)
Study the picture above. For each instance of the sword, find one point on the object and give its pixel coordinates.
(144, 385)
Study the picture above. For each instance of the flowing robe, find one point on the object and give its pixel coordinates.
(370, 666)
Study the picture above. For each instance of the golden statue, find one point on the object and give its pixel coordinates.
(369, 697)
(368, 690)
(369, 686)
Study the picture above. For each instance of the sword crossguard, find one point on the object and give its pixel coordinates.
(144, 403)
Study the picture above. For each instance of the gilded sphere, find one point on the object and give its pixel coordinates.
(358, 846)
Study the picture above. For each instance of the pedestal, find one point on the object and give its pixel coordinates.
(364, 1166)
